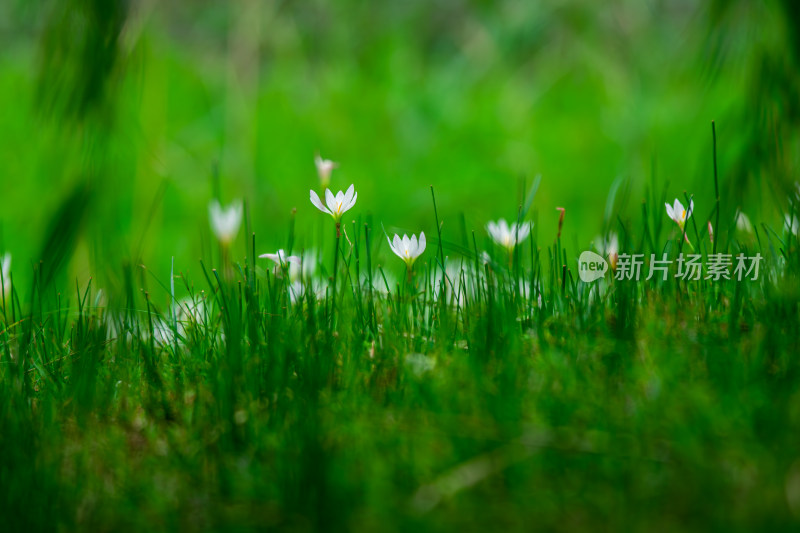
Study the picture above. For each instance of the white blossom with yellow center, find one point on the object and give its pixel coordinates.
(336, 205)
(408, 249)
(508, 236)
(677, 212)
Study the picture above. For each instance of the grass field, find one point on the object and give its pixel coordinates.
(158, 371)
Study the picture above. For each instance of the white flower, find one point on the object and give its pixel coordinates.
(456, 279)
(281, 260)
(191, 311)
(296, 291)
(677, 213)
(508, 236)
(408, 249)
(301, 275)
(336, 205)
(608, 246)
(163, 334)
(225, 222)
(299, 288)
(791, 223)
(324, 169)
(6, 269)
(378, 283)
(305, 268)
(743, 223)
(420, 363)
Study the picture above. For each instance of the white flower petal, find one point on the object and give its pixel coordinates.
(421, 247)
(398, 245)
(613, 244)
(348, 196)
(492, 230)
(392, 246)
(6, 270)
(523, 232)
(505, 231)
(317, 202)
(792, 223)
(225, 222)
(678, 211)
(351, 203)
(330, 200)
(743, 223)
(215, 215)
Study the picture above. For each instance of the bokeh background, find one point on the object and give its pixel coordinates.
(129, 116)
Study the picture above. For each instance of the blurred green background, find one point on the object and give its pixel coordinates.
(144, 102)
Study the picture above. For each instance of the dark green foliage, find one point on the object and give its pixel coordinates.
(624, 404)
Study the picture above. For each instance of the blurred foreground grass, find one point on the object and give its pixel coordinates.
(500, 397)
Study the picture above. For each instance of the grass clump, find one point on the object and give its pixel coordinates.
(476, 390)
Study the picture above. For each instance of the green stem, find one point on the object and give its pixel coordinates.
(439, 233)
(335, 266)
(716, 185)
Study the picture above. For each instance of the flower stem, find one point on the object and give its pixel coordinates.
(439, 233)
(227, 269)
(688, 241)
(335, 266)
